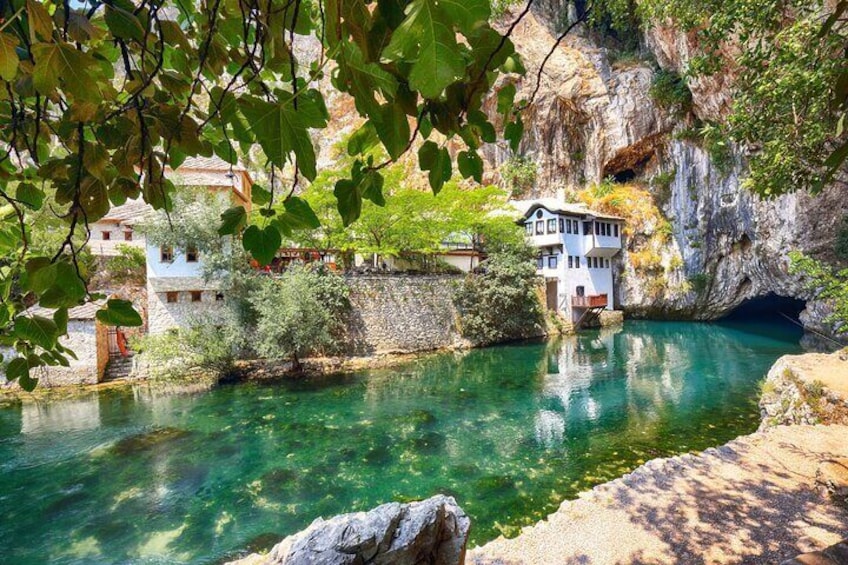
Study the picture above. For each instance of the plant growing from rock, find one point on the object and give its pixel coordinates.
(518, 174)
(826, 283)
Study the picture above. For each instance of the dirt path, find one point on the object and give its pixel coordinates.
(751, 501)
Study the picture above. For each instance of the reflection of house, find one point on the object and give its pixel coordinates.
(576, 246)
(176, 289)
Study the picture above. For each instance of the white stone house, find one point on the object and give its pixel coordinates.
(576, 250)
(176, 290)
(117, 228)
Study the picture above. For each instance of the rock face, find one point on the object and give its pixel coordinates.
(593, 118)
(433, 531)
(798, 391)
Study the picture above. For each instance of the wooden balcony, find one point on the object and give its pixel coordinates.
(591, 301)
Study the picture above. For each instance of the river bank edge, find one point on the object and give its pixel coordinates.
(196, 379)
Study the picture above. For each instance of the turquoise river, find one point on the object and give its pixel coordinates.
(143, 476)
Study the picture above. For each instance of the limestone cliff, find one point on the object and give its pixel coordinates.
(593, 118)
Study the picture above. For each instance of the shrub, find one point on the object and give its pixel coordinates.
(670, 92)
(827, 283)
(841, 247)
(661, 183)
(300, 313)
(128, 266)
(500, 302)
(700, 282)
(211, 345)
(518, 174)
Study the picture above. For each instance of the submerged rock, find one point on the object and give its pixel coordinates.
(433, 531)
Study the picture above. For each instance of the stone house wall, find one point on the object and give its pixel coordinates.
(163, 315)
(82, 339)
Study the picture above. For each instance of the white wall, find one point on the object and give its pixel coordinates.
(104, 247)
(179, 267)
(594, 280)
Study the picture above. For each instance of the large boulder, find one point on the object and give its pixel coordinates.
(432, 531)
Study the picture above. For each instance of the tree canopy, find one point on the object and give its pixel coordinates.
(99, 98)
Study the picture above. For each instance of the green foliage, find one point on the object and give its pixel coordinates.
(841, 247)
(700, 282)
(791, 86)
(501, 303)
(299, 314)
(210, 347)
(119, 313)
(827, 283)
(128, 266)
(411, 222)
(518, 174)
(193, 222)
(501, 7)
(661, 183)
(98, 99)
(618, 22)
(669, 91)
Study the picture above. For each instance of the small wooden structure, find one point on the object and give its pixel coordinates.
(587, 309)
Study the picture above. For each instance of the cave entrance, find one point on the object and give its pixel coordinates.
(771, 315)
(626, 175)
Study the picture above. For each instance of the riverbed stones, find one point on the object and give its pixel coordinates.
(432, 531)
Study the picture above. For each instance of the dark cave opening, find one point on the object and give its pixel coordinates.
(769, 306)
(771, 314)
(626, 175)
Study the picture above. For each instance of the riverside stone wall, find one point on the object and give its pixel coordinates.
(402, 314)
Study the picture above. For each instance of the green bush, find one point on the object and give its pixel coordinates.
(500, 302)
(300, 313)
(841, 247)
(827, 283)
(518, 174)
(670, 92)
(128, 266)
(209, 345)
(700, 282)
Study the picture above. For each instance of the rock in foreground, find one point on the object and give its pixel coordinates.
(432, 531)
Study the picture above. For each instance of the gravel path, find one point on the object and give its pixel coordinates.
(750, 501)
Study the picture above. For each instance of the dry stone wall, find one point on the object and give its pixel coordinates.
(402, 314)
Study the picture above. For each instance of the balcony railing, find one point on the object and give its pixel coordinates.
(592, 301)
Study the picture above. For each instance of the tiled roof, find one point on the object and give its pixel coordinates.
(178, 284)
(527, 207)
(85, 312)
(213, 163)
(129, 212)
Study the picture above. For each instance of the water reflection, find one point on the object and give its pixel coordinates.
(149, 477)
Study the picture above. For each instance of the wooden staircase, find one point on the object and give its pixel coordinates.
(589, 307)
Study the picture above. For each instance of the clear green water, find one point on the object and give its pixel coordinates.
(140, 477)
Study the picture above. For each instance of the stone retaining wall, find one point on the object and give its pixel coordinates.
(402, 314)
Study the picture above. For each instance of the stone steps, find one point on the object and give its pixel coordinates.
(118, 368)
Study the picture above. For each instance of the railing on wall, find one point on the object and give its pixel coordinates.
(591, 301)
